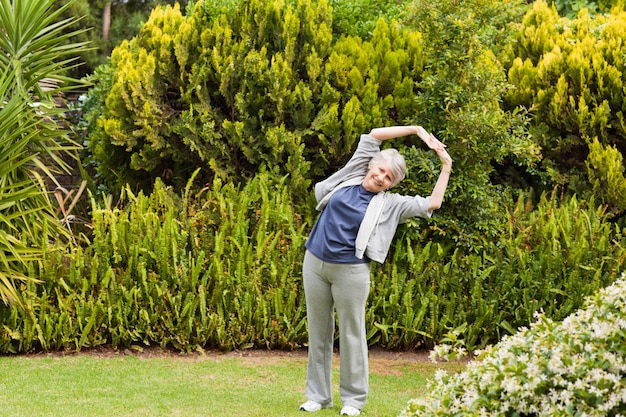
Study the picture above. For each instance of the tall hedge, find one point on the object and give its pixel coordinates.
(221, 268)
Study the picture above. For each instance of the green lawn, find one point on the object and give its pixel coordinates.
(153, 384)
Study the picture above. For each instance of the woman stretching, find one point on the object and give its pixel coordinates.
(357, 223)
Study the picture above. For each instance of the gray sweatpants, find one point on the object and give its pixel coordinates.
(346, 288)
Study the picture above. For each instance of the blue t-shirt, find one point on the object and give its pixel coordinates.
(333, 235)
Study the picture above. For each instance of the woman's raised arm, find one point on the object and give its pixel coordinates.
(392, 132)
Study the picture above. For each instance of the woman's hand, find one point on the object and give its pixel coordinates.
(429, 139)
(445, 158)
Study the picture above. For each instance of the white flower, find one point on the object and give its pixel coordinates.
(548, 369)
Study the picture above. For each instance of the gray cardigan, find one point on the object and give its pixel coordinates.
(385, 211)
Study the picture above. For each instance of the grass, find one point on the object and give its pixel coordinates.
(217, 385)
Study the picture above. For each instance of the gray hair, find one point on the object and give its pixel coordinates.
(394, 161)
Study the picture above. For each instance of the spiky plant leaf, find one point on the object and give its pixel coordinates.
(35, 52)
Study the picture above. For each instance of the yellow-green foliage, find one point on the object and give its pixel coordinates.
(605, 170)
(234, 91)
(269, 84)
(570, 73)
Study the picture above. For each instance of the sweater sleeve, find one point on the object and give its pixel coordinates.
(406, 207)
(357, 166)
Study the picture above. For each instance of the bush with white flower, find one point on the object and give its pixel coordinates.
(573, 368)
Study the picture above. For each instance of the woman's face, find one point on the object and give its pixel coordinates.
(378, 178)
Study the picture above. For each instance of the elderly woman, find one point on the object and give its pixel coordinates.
(357, 223)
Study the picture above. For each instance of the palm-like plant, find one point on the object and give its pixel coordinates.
(34, 48)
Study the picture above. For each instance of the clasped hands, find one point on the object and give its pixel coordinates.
(434, 144)
(429, 139)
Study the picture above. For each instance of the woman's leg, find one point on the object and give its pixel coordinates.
(321, 323)
(350, 292)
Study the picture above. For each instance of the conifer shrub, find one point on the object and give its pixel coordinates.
(569, 73)
(269, 84)
(232, 90)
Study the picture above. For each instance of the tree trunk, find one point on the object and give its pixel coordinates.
(106, 21)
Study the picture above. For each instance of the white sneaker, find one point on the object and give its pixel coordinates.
(350, 411)
(313, 406)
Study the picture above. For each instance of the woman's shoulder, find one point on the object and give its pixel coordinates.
(367, 139)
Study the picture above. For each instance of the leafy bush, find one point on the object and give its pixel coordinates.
(574, 367)
(268, 84)
(358, 17)
(570, 9)
(461, 89)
